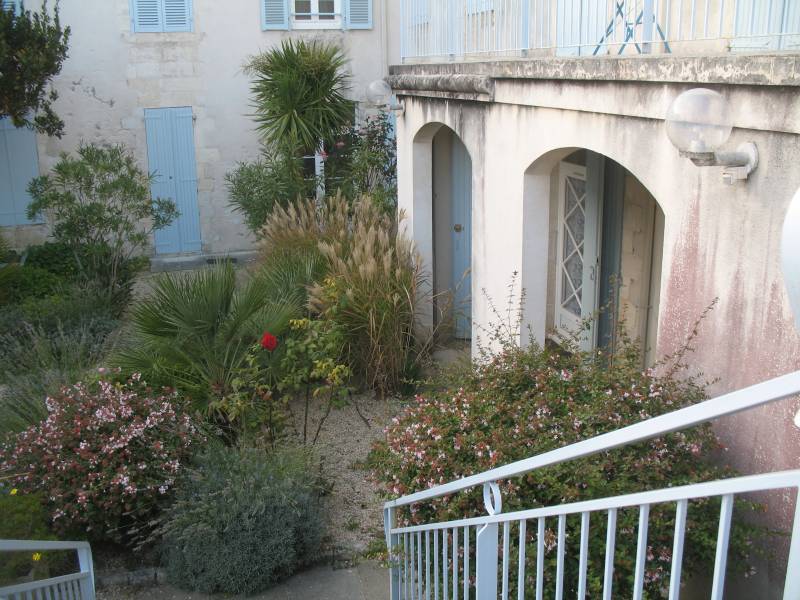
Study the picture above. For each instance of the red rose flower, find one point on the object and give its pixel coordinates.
(269, 341)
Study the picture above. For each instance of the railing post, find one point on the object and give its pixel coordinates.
(392, 543)
(486, 546)
(648, 20)
(792, 586)
(526, 26)
(86, 566)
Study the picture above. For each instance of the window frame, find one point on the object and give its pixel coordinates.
(314, 22)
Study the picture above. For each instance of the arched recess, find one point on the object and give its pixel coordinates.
(442, 226)
(592, 249)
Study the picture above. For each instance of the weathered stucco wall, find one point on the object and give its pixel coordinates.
(112, 75)
(720, 241)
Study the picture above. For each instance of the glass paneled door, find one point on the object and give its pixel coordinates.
(578, 249)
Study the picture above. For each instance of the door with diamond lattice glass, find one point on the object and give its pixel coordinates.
(577, 256)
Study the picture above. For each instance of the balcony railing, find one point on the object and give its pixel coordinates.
(478, 29)
(425, 558)
(75, 586)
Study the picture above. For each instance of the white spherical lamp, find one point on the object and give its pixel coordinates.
(379, 93)
(699, 121)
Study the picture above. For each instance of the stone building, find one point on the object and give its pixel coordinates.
(533, 141)
(164, 77)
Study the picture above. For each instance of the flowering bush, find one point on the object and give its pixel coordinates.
(105, 458)
(526, 401)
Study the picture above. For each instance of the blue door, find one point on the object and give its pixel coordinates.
(170, 155)
(19, 163)
(461, 211)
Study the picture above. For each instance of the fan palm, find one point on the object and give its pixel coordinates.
(195, 330)
(299, 94)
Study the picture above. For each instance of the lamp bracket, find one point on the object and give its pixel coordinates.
(738, 165)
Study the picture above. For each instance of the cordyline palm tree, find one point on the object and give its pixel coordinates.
(299, 95)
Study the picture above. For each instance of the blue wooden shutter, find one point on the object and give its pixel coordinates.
(275, 14)
(171, 159)
(19, 163)
(177, 15)
(359, 14)
(10, 5)
(147, 16)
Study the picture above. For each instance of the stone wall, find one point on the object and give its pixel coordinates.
(112, 75)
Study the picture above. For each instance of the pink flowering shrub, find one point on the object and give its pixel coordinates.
(523, 402)
(105, 458)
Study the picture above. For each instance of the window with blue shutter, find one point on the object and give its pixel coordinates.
(275, 14)
(19, 163)
(159, 16)
(10, 5)
(359, 14)
(316, 14)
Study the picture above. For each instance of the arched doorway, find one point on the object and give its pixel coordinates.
(604, 236)
(452, 234)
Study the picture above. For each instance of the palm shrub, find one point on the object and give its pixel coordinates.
(243, 520)
(299, 92)
(517, 402)
(195, 330)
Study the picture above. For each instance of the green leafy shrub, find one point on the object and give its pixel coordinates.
(196, 329)
(33, 46)
(363, 162)
(522, 402)
(56, 257)
(22, 282)
(72, 307)
(37, 362)
(257, 187)
(243, 520)
(99, 206)
(105, 458)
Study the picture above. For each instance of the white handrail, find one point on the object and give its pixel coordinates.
(736, 485)
(72, 586)
(727, 404)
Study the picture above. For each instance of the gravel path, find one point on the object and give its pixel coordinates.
(353, 507)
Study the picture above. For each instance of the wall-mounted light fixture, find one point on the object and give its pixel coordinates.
(379, 94)
(698, 123)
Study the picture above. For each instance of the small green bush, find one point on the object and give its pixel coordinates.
(272, 180)
(242, 521)
(520, 402)
(23, 282)
(56, 257)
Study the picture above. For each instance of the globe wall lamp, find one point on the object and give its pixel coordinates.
(379, 94)
(698, 123)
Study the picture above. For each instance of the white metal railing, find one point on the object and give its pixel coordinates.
(418, 574)
(459, 29)
(76, 586)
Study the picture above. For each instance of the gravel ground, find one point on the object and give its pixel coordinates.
(353, 507)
